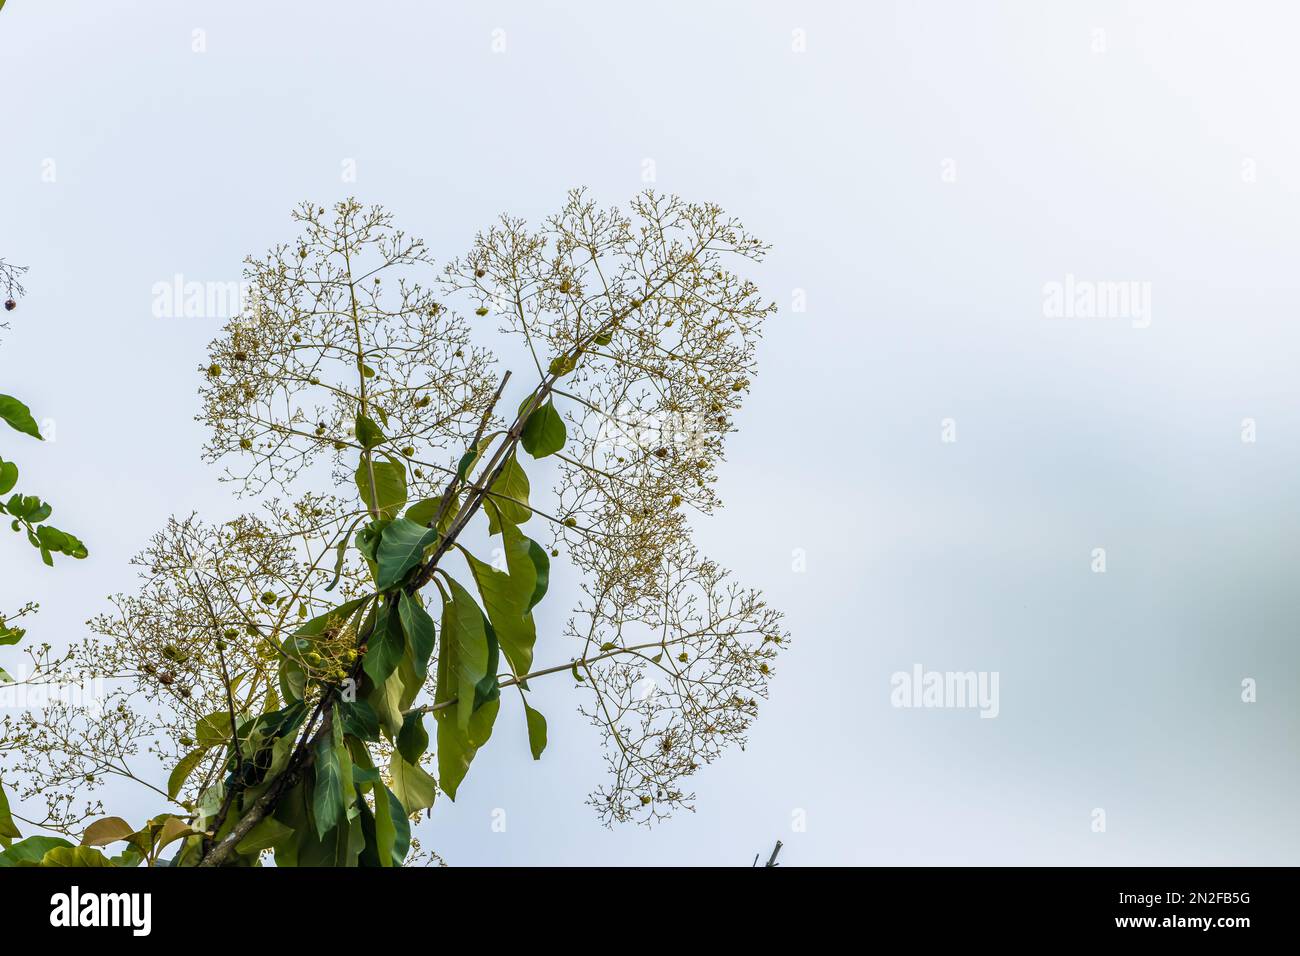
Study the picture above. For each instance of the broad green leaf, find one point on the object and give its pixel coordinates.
(536, 731)
(210, 800)
(390, 486)
(418, 628)
(182, 772)
(291, 810)
(105, 831)
(18, 416)
(370, 853)
(465, 649)
(367, 542)
(327, 797)
(341, 845)
(31, 851)
(457, 746)
(473, 455)
(386, 701)
(128, 858)
(392, 828)
(8, 829)
(385, 645)
(426, 509)
(359, 720)
(368, 433)
(544, 433)
(53, 541)
(489, 688)
(400, 549)
(509, 495)
(214, 729)
(542, 568)
(8, 476)
(412, 785)
(74, 856)
(268, 834)
(413, 740)
(457, 743)
(347, 785)
(507, 596)
(281, 751)
(169, 829)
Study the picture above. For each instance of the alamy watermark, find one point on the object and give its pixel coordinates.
(20, 694)
(179, 298)
(1093, 299)
(975, 690)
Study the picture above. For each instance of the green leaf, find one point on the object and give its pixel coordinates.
(267, 834)
(412, 785)
(10, 635)
(214, 729)
(542, 568)
(413, 740)
(359, 720)
(75, 856)
(105, 831)
(418, 628)
(507, 597)
(392, 828)
(472, 456)
(457, 747)
(18, 416)
(386, 698)
(8, 476)
(400, 549)
(426, 509)
(368, 433)
(327, 797)
(465, 649)
(385, 646)
(544, 433)
(31, 851)
(536, 731)
(52, 540)
(8, 829)
(291, 810)
(509, 496)
(458, 742)
(182, 772)
(390, 486)
(128, 858)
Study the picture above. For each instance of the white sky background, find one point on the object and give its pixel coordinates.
(924, 302)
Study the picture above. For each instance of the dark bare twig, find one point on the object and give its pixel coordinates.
(771, 860)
